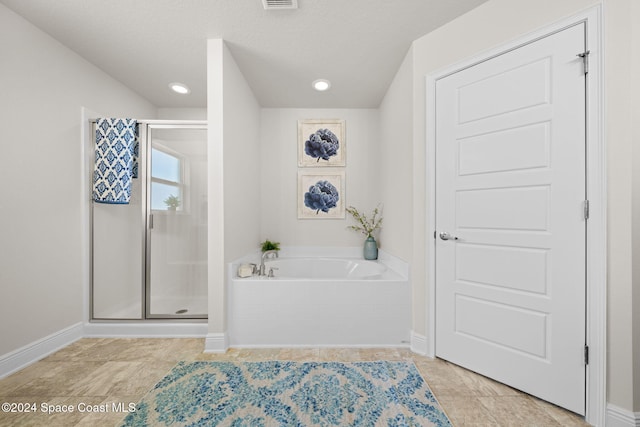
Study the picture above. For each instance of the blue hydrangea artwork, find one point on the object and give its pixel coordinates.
(322, 144)
(321, 196)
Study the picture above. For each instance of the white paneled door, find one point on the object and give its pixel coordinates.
(510, 218)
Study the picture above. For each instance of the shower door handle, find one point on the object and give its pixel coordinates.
(150, 221)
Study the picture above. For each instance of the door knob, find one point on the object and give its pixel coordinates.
(446, 236)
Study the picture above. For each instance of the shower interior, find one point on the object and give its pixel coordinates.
(149, 257)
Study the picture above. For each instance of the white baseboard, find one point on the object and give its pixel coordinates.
(419, 344)
(25, 356)
(618, 417)
(216, 343)
(293, 346)
(145, 330)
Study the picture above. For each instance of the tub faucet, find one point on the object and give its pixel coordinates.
(266, 255)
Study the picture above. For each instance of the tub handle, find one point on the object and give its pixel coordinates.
(271, 271)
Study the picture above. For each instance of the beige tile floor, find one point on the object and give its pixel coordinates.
(100, 373)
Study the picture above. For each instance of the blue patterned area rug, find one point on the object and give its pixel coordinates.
(275, 393)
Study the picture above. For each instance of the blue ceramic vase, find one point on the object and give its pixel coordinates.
(370, 248)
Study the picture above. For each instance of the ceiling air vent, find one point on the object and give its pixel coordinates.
(279, 4)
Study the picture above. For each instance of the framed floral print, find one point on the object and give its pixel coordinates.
(321, 194)
(321, 143)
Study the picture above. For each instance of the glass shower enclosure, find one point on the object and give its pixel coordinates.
(149, 257)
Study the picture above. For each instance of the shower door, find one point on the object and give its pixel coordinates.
(149, 256)
(176, 247)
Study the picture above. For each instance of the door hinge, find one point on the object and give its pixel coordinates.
(586, 354)
(586, 209)
(585, 60)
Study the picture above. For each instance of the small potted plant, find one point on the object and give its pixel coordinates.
(268, 245)
(172, 202)
(269, 250)
(367, 226)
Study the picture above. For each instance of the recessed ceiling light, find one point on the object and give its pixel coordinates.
(321, 85)
(180, 88)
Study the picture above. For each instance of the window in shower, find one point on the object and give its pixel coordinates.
(166, 179)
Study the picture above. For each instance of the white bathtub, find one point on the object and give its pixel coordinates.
(321, 300)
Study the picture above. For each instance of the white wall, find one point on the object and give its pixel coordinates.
(277, 192)
(42, 203)
(396, 176)
(620, 255)
(396, 164)
(182, 113)
(215, 154)
(234, 174)
(634, 93)
(242, 140)
(623, 134)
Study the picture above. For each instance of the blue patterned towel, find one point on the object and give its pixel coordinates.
(116, 160)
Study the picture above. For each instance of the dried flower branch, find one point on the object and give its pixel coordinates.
(365, 225)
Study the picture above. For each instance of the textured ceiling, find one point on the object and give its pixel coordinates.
(146, 44)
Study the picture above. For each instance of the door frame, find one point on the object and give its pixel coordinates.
(596, 183)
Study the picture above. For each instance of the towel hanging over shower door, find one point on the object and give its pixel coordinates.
(116, 160)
